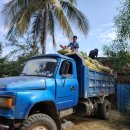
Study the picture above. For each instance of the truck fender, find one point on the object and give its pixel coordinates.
(49, 108)
(26, 101)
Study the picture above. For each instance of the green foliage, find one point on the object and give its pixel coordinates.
(12, 64)
(45, 15)
(12, 68)
(23, 47)
(3, 61)
(122, 21)
(118, 54)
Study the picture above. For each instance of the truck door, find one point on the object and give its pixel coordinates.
(67, 85)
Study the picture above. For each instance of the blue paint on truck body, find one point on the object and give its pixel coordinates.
(92, 83)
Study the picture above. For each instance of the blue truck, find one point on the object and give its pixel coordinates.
(51, 87)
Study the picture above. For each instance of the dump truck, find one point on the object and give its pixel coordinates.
(51, 87)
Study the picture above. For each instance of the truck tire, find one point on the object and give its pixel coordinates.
(39, 122)
(96, 113)
(104, 110)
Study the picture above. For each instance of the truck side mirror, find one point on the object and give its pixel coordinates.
(64, 68)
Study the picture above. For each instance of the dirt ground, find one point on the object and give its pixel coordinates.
(116, 122)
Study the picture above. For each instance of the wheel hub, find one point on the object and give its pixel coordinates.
(40, 128)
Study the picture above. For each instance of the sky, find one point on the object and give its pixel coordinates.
(100, 14)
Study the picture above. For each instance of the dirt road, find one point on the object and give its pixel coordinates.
(116, 122)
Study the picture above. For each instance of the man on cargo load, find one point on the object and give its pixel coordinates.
(93, 54)
(74, 46)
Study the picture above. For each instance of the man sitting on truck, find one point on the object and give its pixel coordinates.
(74, 46)
(93, 54)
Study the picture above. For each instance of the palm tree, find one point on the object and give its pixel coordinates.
(43, 16)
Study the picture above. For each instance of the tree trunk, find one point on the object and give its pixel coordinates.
(44, 35)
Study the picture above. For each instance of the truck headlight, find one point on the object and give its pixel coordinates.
(7, 102)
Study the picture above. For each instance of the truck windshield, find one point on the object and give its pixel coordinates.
(40, 67)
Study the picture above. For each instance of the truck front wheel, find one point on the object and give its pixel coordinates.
(104, 110)
(39, 122)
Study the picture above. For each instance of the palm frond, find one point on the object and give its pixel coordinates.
(24, 21)
(37, 24)
(44, 30)
(51, 26)
(73, 1)
(62, 20)
(13, 31)
(11, 8)
(21, 14)
(12, 23)
(75, 16)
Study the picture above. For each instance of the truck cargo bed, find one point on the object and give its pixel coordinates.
(92, 83)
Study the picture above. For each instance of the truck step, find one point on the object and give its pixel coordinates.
(66, 112)
(67, 124)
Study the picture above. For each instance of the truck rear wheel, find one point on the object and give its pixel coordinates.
(39, 122)
(104, 110)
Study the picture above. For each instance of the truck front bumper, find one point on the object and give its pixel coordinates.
(4, 126)
(6, 123)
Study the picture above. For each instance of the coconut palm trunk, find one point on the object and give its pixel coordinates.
(44, 32)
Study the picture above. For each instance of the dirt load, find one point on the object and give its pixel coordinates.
(92, 64)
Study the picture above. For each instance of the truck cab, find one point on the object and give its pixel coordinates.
(49, 88)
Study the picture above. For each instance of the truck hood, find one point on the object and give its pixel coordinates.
(22, 83)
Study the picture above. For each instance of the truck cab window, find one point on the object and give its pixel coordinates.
(66, 69)
(40, 67)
